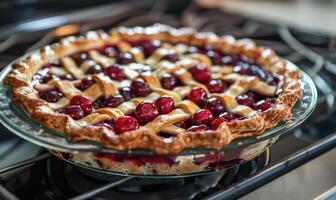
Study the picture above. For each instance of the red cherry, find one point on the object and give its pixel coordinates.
(214, 105)
(67, 76)
(165, 104)
(126, 123)
(126, 93)
(262, 105)
(171, 57)
(202, 116)
(201, 73)
(241, 70)
(115, 72)
(54, 96)
(79, 57)
(198, 96)
(245, 100)
(215, 57)
(183, 124)
(84, 102)
(107, 124)
(230, 59)
(74, 111)
(217, 122)
(168, 81)
(86, 83)
(113, 101)
(125, 58)
(140, 88)
(149, 46)
(215, 86)
(146, 112)
(110, 51)
(229, 116)
(201, 127)
(98, 103)
(94, 69)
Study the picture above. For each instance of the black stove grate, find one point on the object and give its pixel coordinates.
(314, 53)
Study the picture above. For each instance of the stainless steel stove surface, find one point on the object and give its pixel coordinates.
(28, 172)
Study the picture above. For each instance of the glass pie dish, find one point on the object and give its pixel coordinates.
(140, 162)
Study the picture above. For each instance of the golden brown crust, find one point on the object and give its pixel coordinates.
(25, 95)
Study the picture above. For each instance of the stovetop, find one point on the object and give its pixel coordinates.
(41, 176)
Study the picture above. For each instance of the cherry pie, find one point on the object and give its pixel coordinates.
(156, 88)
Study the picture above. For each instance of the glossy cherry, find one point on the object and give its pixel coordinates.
(215, 57)
(168, 81)
(94, 69)
(198, 96)
(74, 111)
(202, 116)
(107, 124)
(183, 124)
(195, 128)
(171, 57)
(201, 73)
(113, 101)
(165, 104)
(86, 83)
(146, 112)
(54, 96)
(214, 105)
(215, 86)
(262, 105)
(125, 58)
(84, 102)
(140, 88)
(79, 57)
(126, 123)
(242, 69)
(217, 122)
(229, 116)
(115, 72)
(149, 46)
(245, 100)
(126, 93)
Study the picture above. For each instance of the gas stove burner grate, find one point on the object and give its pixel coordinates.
(69, 180)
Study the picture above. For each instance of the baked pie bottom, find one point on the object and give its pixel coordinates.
(165, 165)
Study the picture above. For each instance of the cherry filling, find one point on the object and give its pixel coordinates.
(246, 100)
(215, 106)
(84, 102)
(109, 50)
(94, 69)
(80, 57)
(146, 112)
(115, 72)
(198, 96)
(51, 96)
(148, 46)
(165, 104)
(125, 58)
(196, 128)
(86, 83)
(168, 81)
(140, 88)
(171, 57)
(126, 92)
(74, 111)
(215, 56)
(108, 124)
(216, 86)
(202, 116)
(126, 123)
(138, 159)
(217, 122)
(113, 101)
(201, 73)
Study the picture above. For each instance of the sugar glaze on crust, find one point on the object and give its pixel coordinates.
(146, 137)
